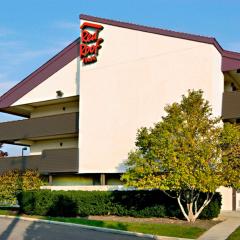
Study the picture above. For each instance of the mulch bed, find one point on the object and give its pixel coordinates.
(206, 224)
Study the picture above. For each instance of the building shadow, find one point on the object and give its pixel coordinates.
(43, 231)
(6, 234)
(39, 231)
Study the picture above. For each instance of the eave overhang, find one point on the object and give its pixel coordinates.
(230, 61)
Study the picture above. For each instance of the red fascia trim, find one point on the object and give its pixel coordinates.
(231, 54)
(41, 74)
(229, 64)
(230, 61)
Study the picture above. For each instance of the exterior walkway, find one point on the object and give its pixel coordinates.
(222, 230)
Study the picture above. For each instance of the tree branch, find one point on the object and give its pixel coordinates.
(206, 202)
(169, 195)
(181, 207)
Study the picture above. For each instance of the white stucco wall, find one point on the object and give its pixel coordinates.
(86, 188)
(66, 80)
(54, 109)
(38, 146)
(136, 75)
(226, 198)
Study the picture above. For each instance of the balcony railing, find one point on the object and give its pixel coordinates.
(231, 105)
(51, 161)
(34, 128)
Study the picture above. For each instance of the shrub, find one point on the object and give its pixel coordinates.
(63, 206)
(121, 203)
(153, 211)
(14, 181)
(213, 209)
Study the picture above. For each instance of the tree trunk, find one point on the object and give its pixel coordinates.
(182, 208)
(190, 215)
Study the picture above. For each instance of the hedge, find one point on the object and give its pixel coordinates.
(122, 203)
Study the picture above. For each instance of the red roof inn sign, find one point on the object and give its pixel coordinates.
(90, 42)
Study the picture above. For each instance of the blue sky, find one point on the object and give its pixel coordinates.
(32, 31)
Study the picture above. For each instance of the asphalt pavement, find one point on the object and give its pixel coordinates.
(16, 229)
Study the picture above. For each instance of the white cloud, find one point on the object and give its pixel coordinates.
(9, 43)
(2, 75)
(5, 31)
(21, 55)
(5, 85)
(30, 54)
(66, 25)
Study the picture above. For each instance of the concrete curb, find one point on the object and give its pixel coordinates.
(107, 230)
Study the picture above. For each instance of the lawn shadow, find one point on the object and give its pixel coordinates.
(117, 225)
(102, 224)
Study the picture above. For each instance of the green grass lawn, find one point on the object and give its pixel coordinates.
(7, 212)
(166, 229)
(172, 230)
(235, 235)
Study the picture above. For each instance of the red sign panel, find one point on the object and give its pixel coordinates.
(90, 42)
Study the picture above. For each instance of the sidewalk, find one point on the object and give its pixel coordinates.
(222, 230)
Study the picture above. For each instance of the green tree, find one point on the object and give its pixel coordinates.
(231, 155)
(14, 181)
(9, 187)
(181, 155)
(31, 180)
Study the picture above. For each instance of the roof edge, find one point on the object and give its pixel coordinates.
(230, 59)
(154, 30)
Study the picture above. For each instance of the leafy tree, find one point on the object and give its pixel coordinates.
(181, 155)
(231, 155)
(31, 180)
(14, 181)
(9, 187)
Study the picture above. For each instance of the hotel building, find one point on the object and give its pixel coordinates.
(83, 107)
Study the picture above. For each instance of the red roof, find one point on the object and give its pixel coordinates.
(230, 60)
